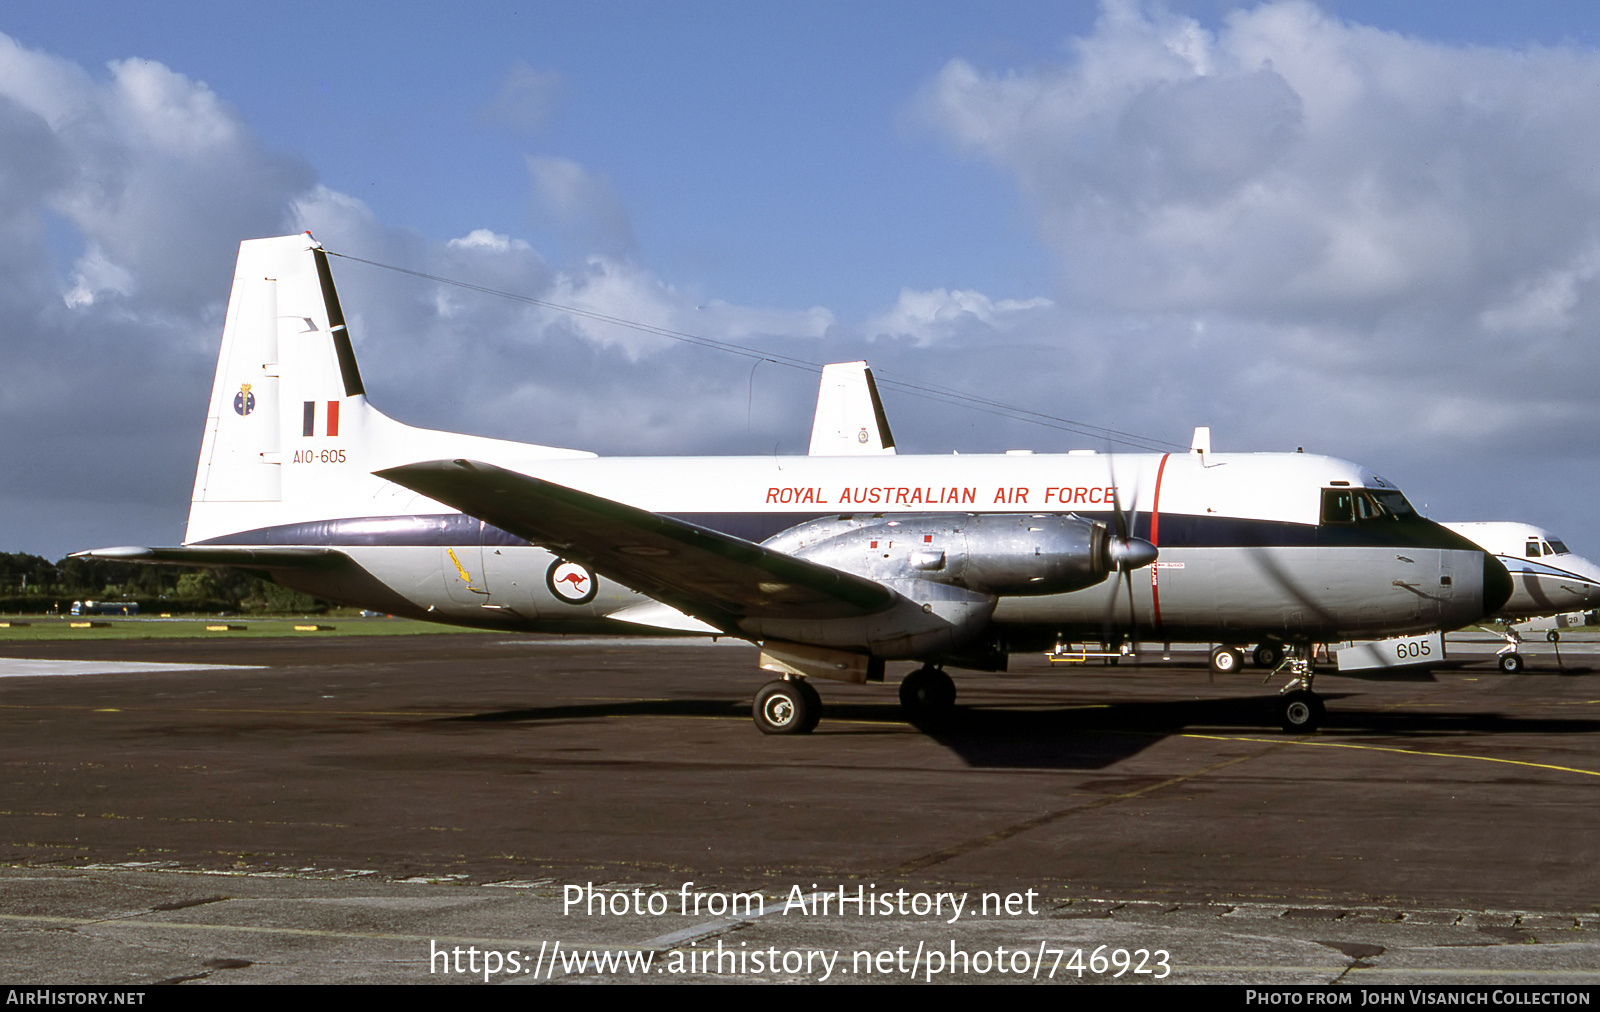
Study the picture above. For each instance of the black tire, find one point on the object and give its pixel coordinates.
(1268, 655)
(1511, 664)
(1300, 712)
(783, 706)
(1226, 660)
(927, 690)
(813, 705)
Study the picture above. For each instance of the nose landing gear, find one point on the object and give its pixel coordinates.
(1298, 709)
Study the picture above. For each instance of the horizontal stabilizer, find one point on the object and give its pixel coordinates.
(703, 573)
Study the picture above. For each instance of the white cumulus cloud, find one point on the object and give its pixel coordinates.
(1383, 245)
(929, 317)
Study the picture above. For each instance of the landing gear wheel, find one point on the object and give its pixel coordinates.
(1226, 660)
(786, 706)
(813, 705)
(927, 691)
(1268, 655)
(1511, 664)
(1300, 712)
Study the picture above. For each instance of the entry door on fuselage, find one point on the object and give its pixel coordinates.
(517, 575)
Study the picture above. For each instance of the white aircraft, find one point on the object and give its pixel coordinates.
(1547, 579)
(831, 564)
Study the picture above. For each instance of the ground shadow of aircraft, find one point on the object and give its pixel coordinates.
(1075, 737)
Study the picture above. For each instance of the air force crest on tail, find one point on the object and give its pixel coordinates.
(571, 582)
(244, 401)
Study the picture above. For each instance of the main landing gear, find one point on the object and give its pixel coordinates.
(1226, 660)
(1298, 709)
(1269, 655)
(787, 706)
(927, 692)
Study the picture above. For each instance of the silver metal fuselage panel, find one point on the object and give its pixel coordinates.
(1191, 594)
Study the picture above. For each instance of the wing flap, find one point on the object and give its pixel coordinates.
(704, 573)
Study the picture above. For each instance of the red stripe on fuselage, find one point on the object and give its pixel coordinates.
(333, 418)
(1155, 539)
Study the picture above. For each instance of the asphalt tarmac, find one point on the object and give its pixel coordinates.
(347, 809)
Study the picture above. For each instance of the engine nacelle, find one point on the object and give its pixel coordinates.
(993, 553)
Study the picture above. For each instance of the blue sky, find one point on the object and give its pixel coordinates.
(737, 134)
(1363, 228)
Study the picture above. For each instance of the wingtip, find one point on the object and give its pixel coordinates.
(120, 552)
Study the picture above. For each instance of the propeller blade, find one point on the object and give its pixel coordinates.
(1108, 626)
(1118, 518)
(1124, 554)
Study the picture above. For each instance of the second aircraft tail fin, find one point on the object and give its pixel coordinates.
(850, 420)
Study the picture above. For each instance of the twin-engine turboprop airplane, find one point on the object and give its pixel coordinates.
(832, 564)
(1547, 579)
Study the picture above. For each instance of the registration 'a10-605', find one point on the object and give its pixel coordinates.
(319, 456)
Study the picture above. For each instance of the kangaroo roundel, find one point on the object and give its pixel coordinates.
(571, 582)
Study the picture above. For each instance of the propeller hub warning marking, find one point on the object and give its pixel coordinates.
(571, 582)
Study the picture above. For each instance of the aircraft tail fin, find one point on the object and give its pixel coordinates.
(850, 420)
(289, 434)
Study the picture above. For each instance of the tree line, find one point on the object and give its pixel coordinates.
(32, 583)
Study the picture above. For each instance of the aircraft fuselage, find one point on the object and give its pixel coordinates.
(1246, 550)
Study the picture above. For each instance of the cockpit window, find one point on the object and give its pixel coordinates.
(1338, 506)
(1560, 548)
(1394, 502)
(1344, 506)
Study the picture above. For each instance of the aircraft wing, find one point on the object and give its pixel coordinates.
(704, 573)
(306, 557)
